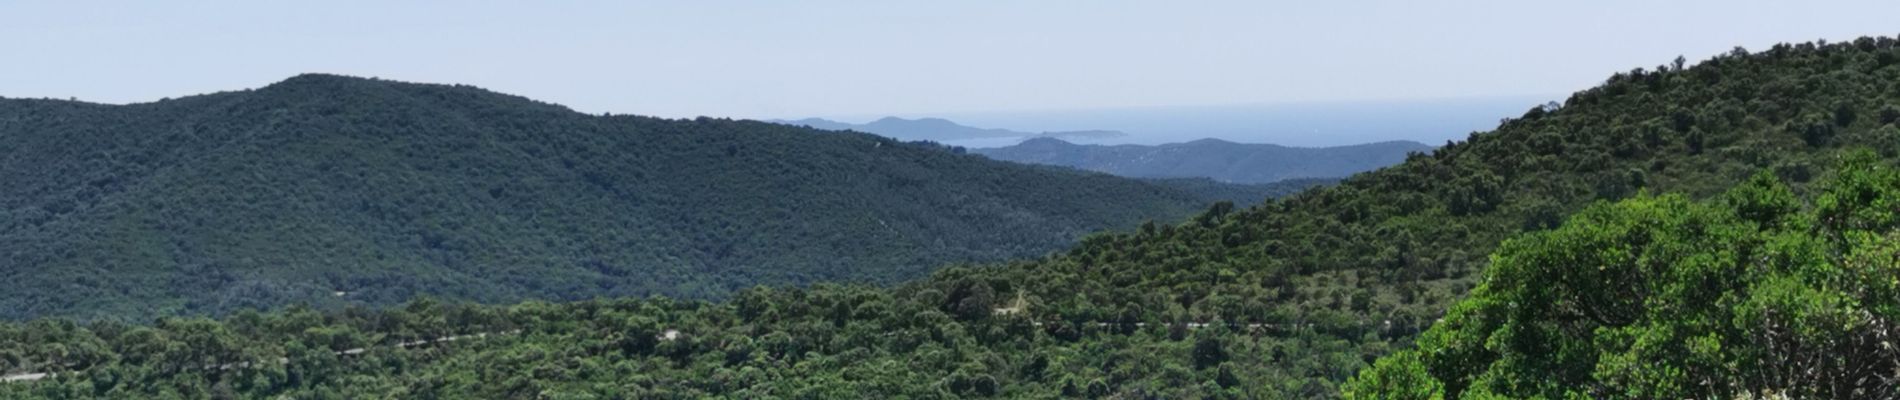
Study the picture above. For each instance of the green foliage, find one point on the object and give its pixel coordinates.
(330, 190)
(1255, 193)
(1661, 297)
(1299, 295)
(1400, 376)
(1209, 352)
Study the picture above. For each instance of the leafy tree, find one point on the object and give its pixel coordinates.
(1661, 297)
(1209, 352)
(1710, 279)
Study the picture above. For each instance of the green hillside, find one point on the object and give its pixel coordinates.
(1750, 294)
(1289, 299)
(334, 190)
(1240, 193)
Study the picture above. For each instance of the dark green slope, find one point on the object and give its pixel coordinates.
(1298, 294)
(383, 190)
(1241, 193)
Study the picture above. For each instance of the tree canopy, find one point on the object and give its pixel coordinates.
(1687, 261)
(1752, 293)
(331, 190)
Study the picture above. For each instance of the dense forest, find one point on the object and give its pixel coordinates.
(1755, 292)
(330, 190)
(1210, 158)
(1292, 298)
(1240, 193)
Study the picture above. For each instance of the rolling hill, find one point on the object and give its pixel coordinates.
(1209, 158)
(1288, 299)
(335, 190)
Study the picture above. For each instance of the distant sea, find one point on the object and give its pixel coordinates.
(1318, 124)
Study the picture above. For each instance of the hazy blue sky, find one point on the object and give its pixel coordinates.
(828, 58)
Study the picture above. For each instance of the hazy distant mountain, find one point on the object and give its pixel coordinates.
(1302, 124)
(937, 129)
(1210, 158)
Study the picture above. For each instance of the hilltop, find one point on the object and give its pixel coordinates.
(332, 190)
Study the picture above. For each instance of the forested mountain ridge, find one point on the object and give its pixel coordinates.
(328, 189)
(1334, 277)
(1211, 158)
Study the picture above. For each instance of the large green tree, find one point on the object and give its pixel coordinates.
(1660, 297)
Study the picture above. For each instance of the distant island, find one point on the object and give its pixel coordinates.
(939, 130)
(1210, 158)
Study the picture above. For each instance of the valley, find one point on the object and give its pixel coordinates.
(1714, 229)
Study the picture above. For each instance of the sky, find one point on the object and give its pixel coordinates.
(794, 59)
